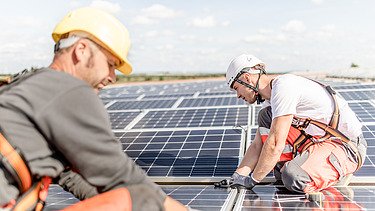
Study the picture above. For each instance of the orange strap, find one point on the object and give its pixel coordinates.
(33, 197)
(118, 199)
(12, 157)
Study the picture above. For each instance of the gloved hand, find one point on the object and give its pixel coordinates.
(239, 181)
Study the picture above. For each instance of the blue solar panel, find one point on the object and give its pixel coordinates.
(205, 102)
(146, 104)
(272, 197)
(210, 117)
(119, 120)
(58, 198)
(185, 153)
(216, 93)
(365, 111)
(358, 95)
(354, 86)
(201, 197)
(149, 96)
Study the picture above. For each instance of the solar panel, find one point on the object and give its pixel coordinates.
(355, 86)
(201, 197)
(184, 153)
(216, 93)
(270, 197)
(168, 95)
(58, 199)
(119, 120)
(213, 101)
(145, 104)
(358, 95)
(183, 118)
(365, 111)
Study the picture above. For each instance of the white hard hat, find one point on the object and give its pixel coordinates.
(241, 62)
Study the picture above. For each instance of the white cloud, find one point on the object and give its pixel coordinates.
(256, 38)
(107, 6)
(225, 23)
(294, 26)
(317, 2)
(205, 22)
(152, 33)
(142, 20)
(187, 37)
(159, 11)
(153, 14)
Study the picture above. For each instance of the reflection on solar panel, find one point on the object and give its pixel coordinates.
(168, 96)
(272, 197)
(119, 120)
(58, 199)
(358, 95)
(217, 101)
(365, 111)
(200, 197)
(368, 168)
(186, 153)
(216, 93)
(210, 117)
(355, 86)
(146, 104)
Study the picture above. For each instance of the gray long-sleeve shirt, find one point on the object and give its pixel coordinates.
(58, 121)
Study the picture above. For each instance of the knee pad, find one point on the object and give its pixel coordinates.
(294, 177)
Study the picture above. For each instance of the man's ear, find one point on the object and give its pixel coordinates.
(80, 50)
(247, 77)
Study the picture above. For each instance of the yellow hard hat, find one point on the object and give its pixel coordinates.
(105, 30)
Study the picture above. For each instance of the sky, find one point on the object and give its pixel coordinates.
(202, 36)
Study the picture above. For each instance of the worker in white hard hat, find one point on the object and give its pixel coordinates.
(307, 135)
(54, 127)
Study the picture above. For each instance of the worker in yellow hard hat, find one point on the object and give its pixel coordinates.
(54, 128)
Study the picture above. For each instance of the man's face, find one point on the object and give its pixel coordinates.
(244, 92)
(98, 68)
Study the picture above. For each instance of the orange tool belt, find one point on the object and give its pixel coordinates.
(332, 133)
(33, 194)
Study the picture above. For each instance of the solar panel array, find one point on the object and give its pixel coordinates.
(198, 132)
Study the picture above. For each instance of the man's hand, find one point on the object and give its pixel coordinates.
(239, 181)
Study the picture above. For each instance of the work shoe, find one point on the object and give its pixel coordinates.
(345, 180)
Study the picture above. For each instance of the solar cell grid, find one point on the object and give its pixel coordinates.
(209, 117)
(151, 96)
(358, 95)
(365, 111)
(203, 153)
(272, 197)
(199, 197)
(119, 120)
(145, 104)
(206, 102)
(355, 86)
(216, 93)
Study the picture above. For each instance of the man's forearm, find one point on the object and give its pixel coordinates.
(251, 157)
(75, 184)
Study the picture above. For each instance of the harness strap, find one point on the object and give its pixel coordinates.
(14, 163)
(32, 196)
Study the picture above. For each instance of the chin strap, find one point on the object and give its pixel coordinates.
(254, 88)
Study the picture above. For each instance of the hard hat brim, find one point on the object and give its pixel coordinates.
(125, 68)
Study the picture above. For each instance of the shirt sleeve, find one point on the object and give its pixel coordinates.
(77, 125)
(284, 97)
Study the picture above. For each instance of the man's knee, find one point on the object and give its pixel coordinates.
(293, 176)
(265, 117)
